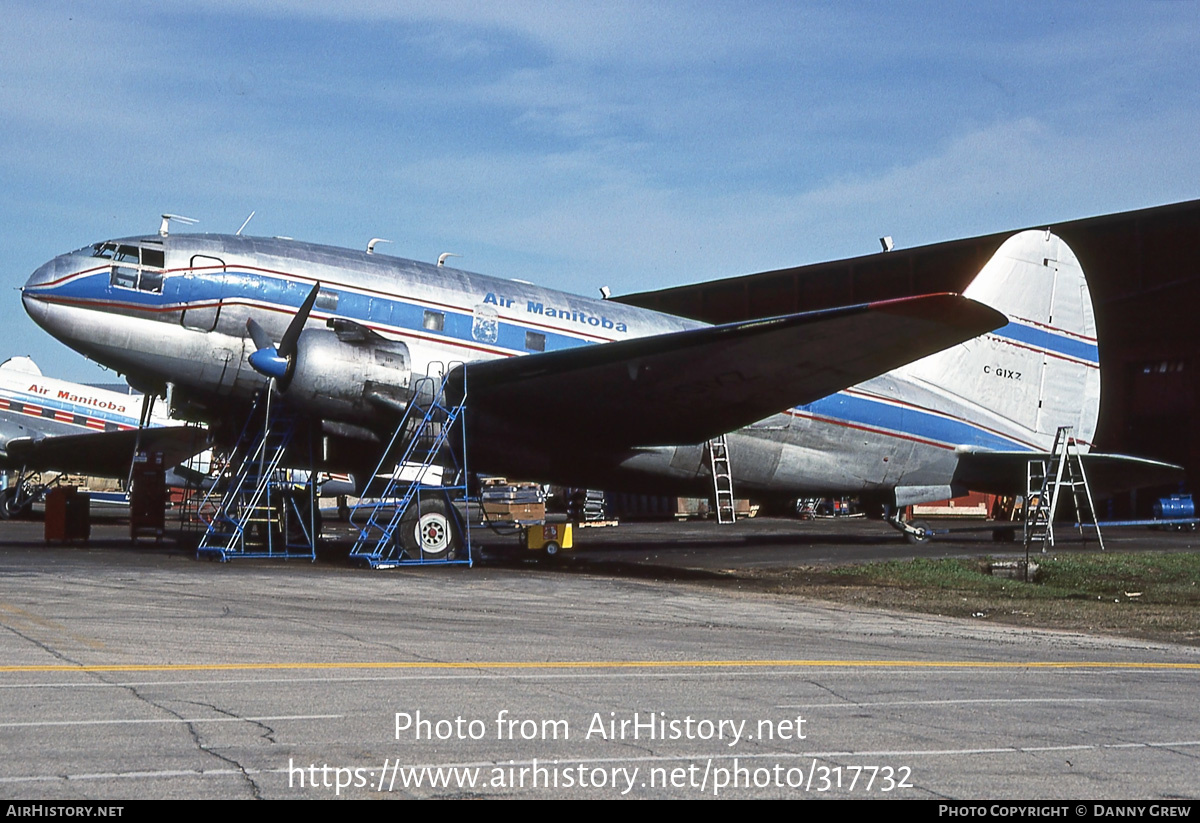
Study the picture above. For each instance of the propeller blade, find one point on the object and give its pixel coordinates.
(259, 335)
(287, 346)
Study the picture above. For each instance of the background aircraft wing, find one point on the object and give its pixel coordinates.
(689, 386)
(105, 454)
(1005, 472)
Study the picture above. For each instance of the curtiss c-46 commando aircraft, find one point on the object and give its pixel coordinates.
(898, 402)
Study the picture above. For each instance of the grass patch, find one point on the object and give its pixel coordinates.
(948, 573)
(1156, 578)
(1147, 595)
(1161, 578)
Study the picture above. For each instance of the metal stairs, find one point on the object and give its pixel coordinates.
(412, 520)
(256, 508)
(1047, 481)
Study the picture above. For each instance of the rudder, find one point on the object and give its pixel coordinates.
(1042, 370)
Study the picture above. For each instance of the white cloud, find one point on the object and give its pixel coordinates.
(640, 145)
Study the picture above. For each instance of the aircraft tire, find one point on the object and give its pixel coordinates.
(431, 533)
(918, 538)
(9, 509)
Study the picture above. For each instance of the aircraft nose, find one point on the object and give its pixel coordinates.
(43, 274)
(35, 308)
(31, 293)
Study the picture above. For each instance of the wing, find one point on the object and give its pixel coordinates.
(1005, 472)
(687, 387)
(106, 454)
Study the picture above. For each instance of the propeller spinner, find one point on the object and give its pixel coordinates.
(278, 362)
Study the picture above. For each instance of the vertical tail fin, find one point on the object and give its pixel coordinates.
(1042, 370)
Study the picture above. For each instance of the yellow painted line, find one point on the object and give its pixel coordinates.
(610, 664)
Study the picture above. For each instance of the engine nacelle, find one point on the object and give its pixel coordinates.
(349, 380)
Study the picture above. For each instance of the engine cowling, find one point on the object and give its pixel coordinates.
(349, 380)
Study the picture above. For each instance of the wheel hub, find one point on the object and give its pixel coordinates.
(433, 533)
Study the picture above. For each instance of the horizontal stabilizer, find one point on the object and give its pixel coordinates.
(689, 386)
(1006, 472)
(105, 454)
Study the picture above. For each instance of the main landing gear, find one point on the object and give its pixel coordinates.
(429, 530)
(914, 531)
(17, 499)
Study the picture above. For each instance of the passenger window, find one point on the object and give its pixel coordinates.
(434, 320)
(535, 341)
(327, 300)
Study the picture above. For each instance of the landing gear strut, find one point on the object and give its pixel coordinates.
(17, 499)
(915, 531)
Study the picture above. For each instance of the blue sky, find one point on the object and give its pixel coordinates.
(575, 145)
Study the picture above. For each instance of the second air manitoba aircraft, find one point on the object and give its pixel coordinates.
(898, 402)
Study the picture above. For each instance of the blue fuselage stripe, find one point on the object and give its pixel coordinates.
(865, 411)
(1057, 343)
(459, 324)
(460, 329)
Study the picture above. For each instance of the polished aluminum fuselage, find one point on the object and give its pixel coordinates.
(179, 321)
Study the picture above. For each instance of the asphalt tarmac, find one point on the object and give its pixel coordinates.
(139, 672)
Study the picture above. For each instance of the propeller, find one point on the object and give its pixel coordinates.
(278, 362)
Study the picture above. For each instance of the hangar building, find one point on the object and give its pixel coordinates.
(1143, 268)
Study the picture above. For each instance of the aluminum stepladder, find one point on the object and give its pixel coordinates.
(1046, 481)
(722, 477)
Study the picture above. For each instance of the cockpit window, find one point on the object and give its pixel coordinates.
(151, 281)
(123, 277)
(133, 267)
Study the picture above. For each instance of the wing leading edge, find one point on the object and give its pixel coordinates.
(687, 387)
